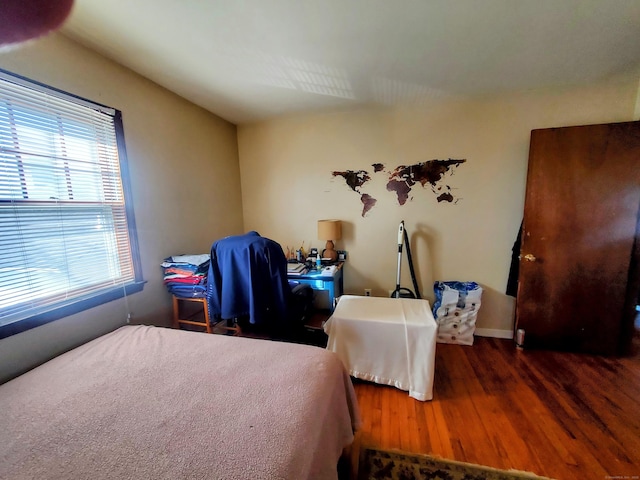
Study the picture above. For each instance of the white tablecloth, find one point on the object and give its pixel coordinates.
(390, 341)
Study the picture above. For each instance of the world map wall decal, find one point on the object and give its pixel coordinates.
(402, 179)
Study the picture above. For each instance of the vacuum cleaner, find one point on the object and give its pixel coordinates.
(401, 292)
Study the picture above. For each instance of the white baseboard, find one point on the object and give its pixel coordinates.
(494, 332)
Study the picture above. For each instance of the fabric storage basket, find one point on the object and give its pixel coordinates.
(456, 310)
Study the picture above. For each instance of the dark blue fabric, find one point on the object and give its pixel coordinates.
(187, 291)
(248, 277)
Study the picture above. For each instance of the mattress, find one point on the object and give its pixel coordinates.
(149, 402)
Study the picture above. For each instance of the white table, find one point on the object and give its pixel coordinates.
(390, 341)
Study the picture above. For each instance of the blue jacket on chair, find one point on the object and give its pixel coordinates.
(248, 277)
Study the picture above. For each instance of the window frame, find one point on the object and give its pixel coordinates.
(66, 308)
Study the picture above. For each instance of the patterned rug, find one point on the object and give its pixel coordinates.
(392, 465)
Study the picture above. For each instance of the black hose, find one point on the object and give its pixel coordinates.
(410, 260)
(401, 291)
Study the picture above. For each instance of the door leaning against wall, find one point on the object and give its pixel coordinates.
(578, 279)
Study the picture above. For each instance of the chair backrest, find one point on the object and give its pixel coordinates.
(248, 278)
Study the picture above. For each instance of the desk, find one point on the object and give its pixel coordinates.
(391, 341)
(333, 284)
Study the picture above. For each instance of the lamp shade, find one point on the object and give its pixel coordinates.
(329, 229)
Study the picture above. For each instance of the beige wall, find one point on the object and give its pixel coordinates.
(183, 163)
(287, 185)
(186, 183)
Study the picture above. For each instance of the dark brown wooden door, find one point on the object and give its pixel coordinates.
(580, 219)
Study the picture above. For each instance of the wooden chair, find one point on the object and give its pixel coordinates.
(182, 317)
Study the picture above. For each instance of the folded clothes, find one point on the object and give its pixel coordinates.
(178, 275)
(188, 291)
(185, 280)
(186, 275)
(198, 259)
(185, 270)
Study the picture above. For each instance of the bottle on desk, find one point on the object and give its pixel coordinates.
(318, 262)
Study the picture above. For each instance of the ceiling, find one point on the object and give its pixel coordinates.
(249, 60)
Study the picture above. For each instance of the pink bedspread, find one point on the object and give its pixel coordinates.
(148, 402)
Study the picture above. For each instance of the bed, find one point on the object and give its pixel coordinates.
(151, 402)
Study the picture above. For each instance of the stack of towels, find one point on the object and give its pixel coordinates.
(186, 275)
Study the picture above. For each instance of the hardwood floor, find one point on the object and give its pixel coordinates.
(561, 415)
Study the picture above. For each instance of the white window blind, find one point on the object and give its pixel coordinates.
(63, 221)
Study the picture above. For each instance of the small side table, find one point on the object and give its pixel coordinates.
(190, 318)
(369, 335)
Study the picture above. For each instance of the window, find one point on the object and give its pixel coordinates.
(67, 233)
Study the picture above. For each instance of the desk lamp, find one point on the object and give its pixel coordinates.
(329, 230)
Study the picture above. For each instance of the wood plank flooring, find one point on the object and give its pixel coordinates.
(562, 415)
